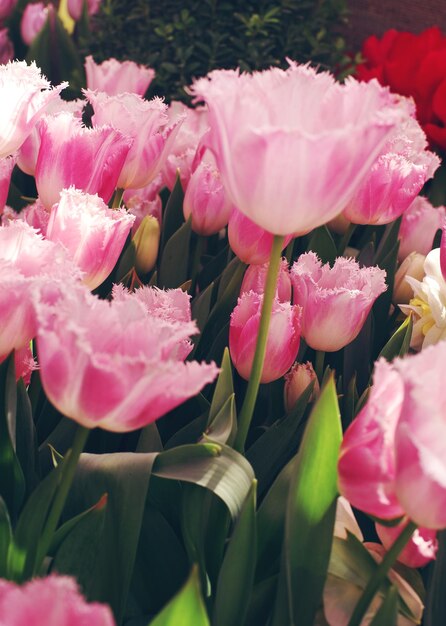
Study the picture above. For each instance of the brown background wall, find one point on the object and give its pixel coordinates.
(369, 17)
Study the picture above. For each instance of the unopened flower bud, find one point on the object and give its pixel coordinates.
(296, 381)
(146, 242)
(413, 266)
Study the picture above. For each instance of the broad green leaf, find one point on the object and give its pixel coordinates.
(227, 274)
(387, 614)
(173, 265)
(224, 387)
(399, 342)
(236, 576)
(311, 509)
(223, 427)
(191, 433)
(173, 217)
(322, 244)
(149, 439)
(5, 537)
(201, 306)
(186, 608)
(126, 264)
(26, 438)
(262, 599)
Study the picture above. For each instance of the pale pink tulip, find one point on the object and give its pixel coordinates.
(33, 20)
(114, 364)
(420, 550)
(114, 77)
(418, 227)
(90, 159)
(6, 46)
(6, 167)
(183, 153)
(51, 601)
(283, 336)
(25, 95)
(296, 381)
(411, 267)
(395, 178)
(75, 8)
(248, 241)
(6, 8)
(92, 234)
(145, 201)
(335, 301)
(34, 214)
(292, 146)
(206, 201)
(255, 278)
(143, 122)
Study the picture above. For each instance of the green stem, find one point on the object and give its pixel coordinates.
(259, 356)
(68, 470)
(345, 240)
(117, 198)
(319, 364)
(380, 574)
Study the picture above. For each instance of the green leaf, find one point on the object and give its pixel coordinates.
(399, 342)
(186, 608)
(322, 244)
(388, 611)
(149, 439)
(26, 438)
(173, 266)
(126, 263)
(5, 537)
(311, 511)
(262, 599)
(236, 576)
(173, 217)
(201, 306)
(223, 427)
(224, 387)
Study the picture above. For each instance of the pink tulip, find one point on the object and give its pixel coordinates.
(145, 201)
(25, 95)
(420, 550)
(283, 336)
(293, 146)
(115, 364)
(206, 201)
(90, 159)
(6, 8)
(182, 155)
(248, 241)
(75, 8)
(6, 46)
(92, 234)
(6, 167)
(51, 601)
(143, 122)
(34, 214)
(296, 382)
(255, 278)
(114, 77)
(395, 178)
(418, 227)
(33, 20)
(24, 363)
(26, 259)
(335, 301)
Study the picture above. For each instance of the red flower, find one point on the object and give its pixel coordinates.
(412, 65)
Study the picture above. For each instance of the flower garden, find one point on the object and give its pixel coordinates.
(222, 318)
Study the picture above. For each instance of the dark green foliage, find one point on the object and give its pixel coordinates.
(182, 40)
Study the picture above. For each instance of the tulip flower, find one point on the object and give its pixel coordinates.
(419, 224)
(6, 167)
(146, 242)
(119, 364)
(33, 20)
(114, 77)
(335, 301)
(248, 241)
(411, 267)
(206, 201)
(34, 214)
(25, 95)
(92, 234)
(145, 201)
(6, 8)
(292, 146)
(6, 46)
(90, 159)
(419, 551)
(51, 601)
(145, 124)
(296, 381)
(255, 277)
(283, 336)
(75, 8)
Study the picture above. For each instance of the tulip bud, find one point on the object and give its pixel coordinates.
(255, 278)
(296, 381)
(146, 242)
(33, 20)
(419, 550)
(413, 266)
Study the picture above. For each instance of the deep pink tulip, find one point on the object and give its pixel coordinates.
(145, 123)
(24, 363)
(145, 201)
(92, 234)
(6, 8)
(335, 301)
(6, 167)
(419, 551)
(25, 95)
(51, 601)
(418, 227)
(206, 201)
(395, 178)
(255, 278)
(248, 241)
(296, 381)
(75, 8)
(33, 20)
(6, 46)
(90, 159)
(114, 77)
(117, 365)
(292, 146)
(283, 336)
